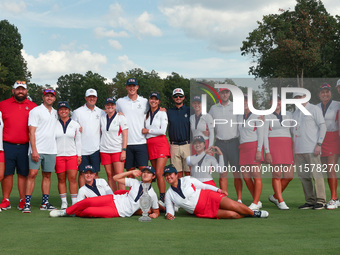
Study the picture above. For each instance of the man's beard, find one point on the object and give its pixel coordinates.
(20, 98)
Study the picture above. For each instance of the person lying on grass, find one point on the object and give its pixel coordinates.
(122, 205)
(203, 200)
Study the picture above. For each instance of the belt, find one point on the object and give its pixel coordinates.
(15, 143)
(180, 143)
(227, 141)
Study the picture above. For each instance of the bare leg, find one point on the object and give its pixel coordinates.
(46, 183)
(118, 167)
(331, 174)
(81, 179)
(109, 173)
(238, 184)
(21, 185)
(31, 181)
(159, 165)
(72, 180)
(62, 183)
(7, 185)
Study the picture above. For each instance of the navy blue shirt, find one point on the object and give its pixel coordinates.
(179, 124)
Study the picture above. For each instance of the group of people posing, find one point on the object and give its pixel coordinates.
(132, 130)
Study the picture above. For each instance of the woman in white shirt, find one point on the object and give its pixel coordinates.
(68, 139)
(113, 142)
(330, 145)
(156, 123)
(251, 154)
(202, 200)
(201, 125)
(278, 146)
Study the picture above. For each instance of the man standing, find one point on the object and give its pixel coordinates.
(88, 117)
(15, 112)
(179, 132)
(134, 107)
(309, 134)
(42, 150)
(227, 140)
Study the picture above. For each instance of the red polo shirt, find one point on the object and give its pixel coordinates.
(15, 118)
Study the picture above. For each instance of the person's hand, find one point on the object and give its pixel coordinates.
(145, 131)
(169, 216)
(217, 150)
(221, 191)
(120, 113)
(81, 129)
(205, 133)
(268, 158)
(78, 160)
(258, 156)
(136, 173)
(317, 150)
(122, 156)
(162, 109)
(35, 156)
(153, 215)
(210, 151)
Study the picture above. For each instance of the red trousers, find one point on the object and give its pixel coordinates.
(94, 207)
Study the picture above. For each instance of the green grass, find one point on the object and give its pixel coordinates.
(284, 232)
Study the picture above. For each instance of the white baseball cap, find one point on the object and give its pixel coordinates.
(178, 91)
(18, 84)
(298, 94)
(91, 92)
(337, 83)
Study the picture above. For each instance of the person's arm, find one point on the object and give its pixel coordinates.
(260, 137)
(124, 144)
(154, 208)
(210, 123)
(204, 186)
(35, 154)
(81, 195)
(169, 206)
(320, 121)
(107, 188)
(266, 141)
(78, 145)
(163, 125)
(121, 177)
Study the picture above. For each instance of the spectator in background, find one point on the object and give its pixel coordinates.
(15, 111)
(179, 132)
(88, 117)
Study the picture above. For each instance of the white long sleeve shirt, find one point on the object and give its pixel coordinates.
(251, 130)
(200, 124)
(186, 194)
(86, 191)
(156, 124)
(68, 138)
(331, 115)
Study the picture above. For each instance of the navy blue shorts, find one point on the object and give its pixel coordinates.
(136, 156)
(92, 159)
(16, 157)
(230, 152)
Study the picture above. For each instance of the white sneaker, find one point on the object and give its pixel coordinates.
(331, 205)
(264, 214)
(63, 205)
(58, 213)
(259, 204)
(337, 202)
(283, 206)
(239, 200)
(272, 199)
(254, 207)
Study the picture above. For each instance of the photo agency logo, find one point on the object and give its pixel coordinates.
(239, 100)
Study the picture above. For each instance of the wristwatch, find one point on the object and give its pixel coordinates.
(124, 149)
(319, 144)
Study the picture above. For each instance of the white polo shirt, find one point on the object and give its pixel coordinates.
(1, 131)
(224, 112)
(90, 123)
(200, 124)
(102, 186)
(307, 131)
(190, 188)
(331, 116)
(251, 130)
(68, 138)
(158, 126)
(127, 204)
(135, 112)
(273, 127)
(203, 165)
(45, 122)
(112, 139)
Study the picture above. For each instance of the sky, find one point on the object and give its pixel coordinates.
(194, 38)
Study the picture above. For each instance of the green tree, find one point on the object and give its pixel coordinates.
(176, 81)
(294, 43)
(11, 57)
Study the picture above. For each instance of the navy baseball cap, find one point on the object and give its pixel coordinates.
(132, 81)
(155, 94)
(169, 169)
(199, 138)
(88, 168)
(325, 86)
(197, 98)
(63, 104)
(110, 100)
(150, 169)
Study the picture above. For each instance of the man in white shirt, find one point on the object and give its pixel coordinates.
(88, 117)
(134, 107)
(42, 149)
(227, 139)
(309, 134)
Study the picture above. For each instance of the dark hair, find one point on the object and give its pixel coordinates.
(148, 113)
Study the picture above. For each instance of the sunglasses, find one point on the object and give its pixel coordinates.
(20, 82)
(176, 96)
(49, 91)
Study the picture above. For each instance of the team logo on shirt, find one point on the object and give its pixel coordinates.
(27, 108)
(186, 115)
(97, 116)
(139, 106)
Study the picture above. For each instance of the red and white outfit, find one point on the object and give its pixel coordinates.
(203, 165)
(251, 138)
(193, 196)
(277, 138)
(68, 138)
(2, 155)
(158, 144)
(330, 144)
(102, 186)
(111, 139)
(110, 206)
(201, 123)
